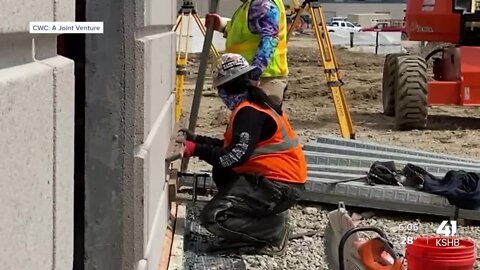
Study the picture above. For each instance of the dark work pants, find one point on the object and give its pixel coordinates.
(249, 208)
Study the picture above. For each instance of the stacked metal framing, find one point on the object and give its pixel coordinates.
(332, 158)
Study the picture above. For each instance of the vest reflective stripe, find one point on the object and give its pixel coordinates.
(240, 40)
(286, 144)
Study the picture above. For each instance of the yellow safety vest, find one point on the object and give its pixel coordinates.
(241, 41)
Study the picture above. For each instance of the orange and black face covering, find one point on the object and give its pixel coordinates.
(259, 140)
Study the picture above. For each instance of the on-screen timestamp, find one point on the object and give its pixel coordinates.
(409, 227)
(406, 228)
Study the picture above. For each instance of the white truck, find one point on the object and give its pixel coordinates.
(343, 26)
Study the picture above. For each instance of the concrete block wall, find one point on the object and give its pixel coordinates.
(130, 75)
(155, 65)
(36, 140)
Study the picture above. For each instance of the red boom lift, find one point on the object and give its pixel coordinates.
(407, 91)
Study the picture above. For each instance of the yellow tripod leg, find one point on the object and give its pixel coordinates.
(182, 57)
(182, 60)
(331, 72)
(295, 22)
(327, 56)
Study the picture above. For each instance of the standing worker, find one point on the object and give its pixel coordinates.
(259, 167)
(258, 32)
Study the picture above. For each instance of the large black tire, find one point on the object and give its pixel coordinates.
(388, 84)
(411, 107)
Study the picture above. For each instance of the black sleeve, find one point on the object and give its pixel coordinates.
(246, 133)
(208, 140)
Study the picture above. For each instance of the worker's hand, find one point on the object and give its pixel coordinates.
(188, 135)
(189, 149)
(255, 76)
(217, 21)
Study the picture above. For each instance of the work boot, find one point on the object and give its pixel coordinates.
(279, 246)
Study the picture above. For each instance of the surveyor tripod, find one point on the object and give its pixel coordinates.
(186, 13)
(330, 65)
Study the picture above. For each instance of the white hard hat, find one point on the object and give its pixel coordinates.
(228, 67)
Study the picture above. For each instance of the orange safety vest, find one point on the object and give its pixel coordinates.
(278, 158)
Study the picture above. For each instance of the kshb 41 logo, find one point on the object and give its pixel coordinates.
(449, 230)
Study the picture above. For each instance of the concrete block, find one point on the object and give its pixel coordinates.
(140, 215)
(64, 10)
(15, 49)
(26, 165)
(156, 188)
(159, 12)
(158, 64)
(156, 173)
(157, 234)
(45, 46)
(21, 12)
(140, 71)
(63, 69)
(155, 74)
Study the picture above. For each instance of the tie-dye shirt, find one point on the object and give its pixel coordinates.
(263, 19)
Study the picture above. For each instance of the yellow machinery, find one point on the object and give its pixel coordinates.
(186, 13)
(330, 65)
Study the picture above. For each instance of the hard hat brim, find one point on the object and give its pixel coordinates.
(227, 79)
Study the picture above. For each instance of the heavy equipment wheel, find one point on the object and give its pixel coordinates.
(388, 84)
(411, 92)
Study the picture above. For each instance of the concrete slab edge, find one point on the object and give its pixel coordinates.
(447, 211)
(379, 204)
(390, 194)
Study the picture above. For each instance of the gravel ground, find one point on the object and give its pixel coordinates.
(308, 253)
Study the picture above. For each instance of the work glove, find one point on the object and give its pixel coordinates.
(189, 149)
(186, 134)
(217, 21)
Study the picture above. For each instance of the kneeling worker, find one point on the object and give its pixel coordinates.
(259, 167)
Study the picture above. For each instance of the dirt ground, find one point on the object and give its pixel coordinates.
(451, 130)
